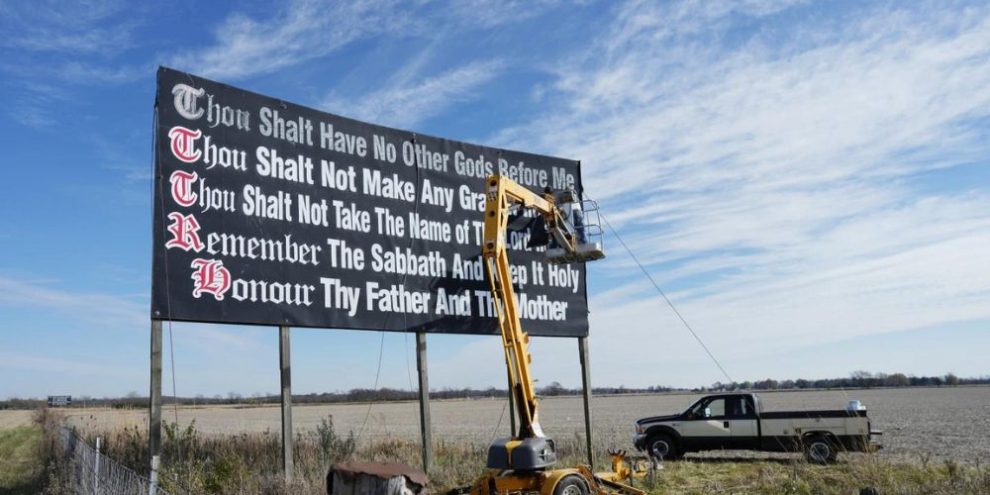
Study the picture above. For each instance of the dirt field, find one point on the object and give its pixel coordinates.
(939, 423)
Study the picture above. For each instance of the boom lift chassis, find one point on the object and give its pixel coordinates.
(523, 464)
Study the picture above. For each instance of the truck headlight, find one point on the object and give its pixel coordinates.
(639, 428)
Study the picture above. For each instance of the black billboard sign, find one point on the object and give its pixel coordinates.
(59, 400)
(271, 213)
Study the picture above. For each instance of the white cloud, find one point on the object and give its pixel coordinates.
(492, 13)
(88, 28)
(306, 30)
(791, 181)
(405, 103)
(112, 312)
(105, 308)
(55, 365)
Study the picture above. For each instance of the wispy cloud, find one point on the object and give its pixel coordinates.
(101, 75)
(489, 13)
(769, 171)
(49, 364)
(94, 307)
(405, 104)
(304, 30)
(32, 105)
(79, 28)
(111, 312)
(51, 48)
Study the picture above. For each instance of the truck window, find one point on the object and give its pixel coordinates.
(739, 407)
(715, 409)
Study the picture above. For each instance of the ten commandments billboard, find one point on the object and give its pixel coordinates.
(267, 212)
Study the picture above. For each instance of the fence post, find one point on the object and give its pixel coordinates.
(153, 486)
(96, 468)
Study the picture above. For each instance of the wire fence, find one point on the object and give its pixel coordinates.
(92, 473)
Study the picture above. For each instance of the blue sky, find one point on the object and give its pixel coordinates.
(809, 181)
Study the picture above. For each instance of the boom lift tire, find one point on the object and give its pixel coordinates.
(571, 485)
(662, 446)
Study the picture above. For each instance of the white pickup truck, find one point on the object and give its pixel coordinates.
(737, 421)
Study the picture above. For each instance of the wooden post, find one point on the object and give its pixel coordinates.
(285, 365)
(586, 383)
(155, 395)
(424, 401)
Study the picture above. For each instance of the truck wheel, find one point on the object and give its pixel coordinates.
(571, 484)
(819, 450)
(661, 446)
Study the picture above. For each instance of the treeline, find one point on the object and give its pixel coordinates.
(858, 379)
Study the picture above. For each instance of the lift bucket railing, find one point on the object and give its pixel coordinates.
(585, 218)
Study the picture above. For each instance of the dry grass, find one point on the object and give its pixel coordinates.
(250, 463)
(28, 464)
(14, 419)
(20, 466)
(937, 442)
(749, 476)
(933, 423)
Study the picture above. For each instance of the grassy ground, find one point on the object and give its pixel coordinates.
(755, 476)
(251, 463)
(21, 466)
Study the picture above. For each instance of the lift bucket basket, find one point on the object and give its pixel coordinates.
(585, 220)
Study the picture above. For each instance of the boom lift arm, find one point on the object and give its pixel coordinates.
(501, 195)
(523, 463)
(530, 449)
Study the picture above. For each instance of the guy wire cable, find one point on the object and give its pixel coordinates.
(405, 316)
(663, 294)
(671, 304)
(371, 400)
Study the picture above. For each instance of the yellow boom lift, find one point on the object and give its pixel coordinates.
(524, 463)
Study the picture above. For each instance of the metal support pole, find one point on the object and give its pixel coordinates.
(512, 410)
(586, 383)
(285, 365)
(155, 395)
(424, 401)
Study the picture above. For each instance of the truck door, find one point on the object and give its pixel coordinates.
(743, 422)
(706, 426)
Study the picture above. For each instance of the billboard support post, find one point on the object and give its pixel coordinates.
(285, 367)
(424, 401)
(155, 395)
(586, 385)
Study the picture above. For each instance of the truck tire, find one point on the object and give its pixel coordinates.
(571, 484)
(661, 446)
(819, 449)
